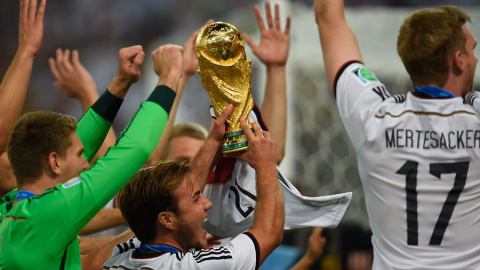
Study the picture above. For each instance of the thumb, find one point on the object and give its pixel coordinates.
(139, 58)
(225, 113)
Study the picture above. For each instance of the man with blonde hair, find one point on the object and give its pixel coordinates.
(184, 142)
(416, 153)
(165, 208)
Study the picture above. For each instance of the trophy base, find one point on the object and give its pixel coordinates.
(235, 141)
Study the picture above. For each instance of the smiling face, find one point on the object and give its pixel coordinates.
(192, 211)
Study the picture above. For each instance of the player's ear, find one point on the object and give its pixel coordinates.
(54, 163)
(458, 64)
(166, 219)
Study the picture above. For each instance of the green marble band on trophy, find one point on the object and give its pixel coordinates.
(226, 76)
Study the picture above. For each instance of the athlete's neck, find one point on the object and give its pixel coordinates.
(168, 242)
(39, 186)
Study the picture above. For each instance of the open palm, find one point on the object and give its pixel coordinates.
(274, 43)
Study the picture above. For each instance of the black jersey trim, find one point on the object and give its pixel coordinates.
(64, 259)
(399, 98)
(163, 96)
(280, 177)
(257, 248)
(219, 253)
(126, 246)
(258, 114)
(339, 73)
(211, 258)
(137, 254)
(470, 97)
(107, 106)
(9, 206)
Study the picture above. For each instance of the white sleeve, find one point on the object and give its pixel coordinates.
(473, 99)
(358, 92)
(245, 251)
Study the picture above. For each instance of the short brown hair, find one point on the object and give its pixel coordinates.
(428, 40)
(150, 192)
(34, 137)
(187, 129)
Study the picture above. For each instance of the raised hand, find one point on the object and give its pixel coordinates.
(274, 43)
(168, 65)
(316, 244)
(190, 61)
(14, 85)
(261, 150)
(31, 26)
(130, 62)
(72, 78)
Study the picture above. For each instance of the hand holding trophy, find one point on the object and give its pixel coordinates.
(226, 76)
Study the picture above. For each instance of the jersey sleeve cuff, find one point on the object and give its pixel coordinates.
(163, 96)
(257, 248)
(107, 106)
(339, 73)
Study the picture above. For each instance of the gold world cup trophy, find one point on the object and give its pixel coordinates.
(226, 76)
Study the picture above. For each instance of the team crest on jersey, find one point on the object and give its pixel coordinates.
(72, 182)
(364, 75)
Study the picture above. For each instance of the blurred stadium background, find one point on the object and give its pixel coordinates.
(319, 157)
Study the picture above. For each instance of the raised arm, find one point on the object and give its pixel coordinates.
(73, 80)
(316, 244)
(269, 215)
(13, 88)
(104, 219)
(84, 196)
(339, 44)
(273, 52)
(190, 66)
(206, 158)
(96, 259)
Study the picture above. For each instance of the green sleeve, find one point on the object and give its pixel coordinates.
(74, 203)
(93, 127)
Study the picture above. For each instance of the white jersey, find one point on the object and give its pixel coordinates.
(418, 161)
(233, 192)
(240, 253)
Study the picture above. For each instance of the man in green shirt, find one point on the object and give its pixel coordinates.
(54, 203)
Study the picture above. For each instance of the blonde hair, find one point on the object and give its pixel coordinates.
(428, 40)
(187, 129)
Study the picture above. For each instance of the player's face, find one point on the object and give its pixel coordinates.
(470, 59)
(183, 148)
(192, 211)
(73, 163)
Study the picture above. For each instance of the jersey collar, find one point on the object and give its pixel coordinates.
(432, 92)
(24, 194)
(159, 248)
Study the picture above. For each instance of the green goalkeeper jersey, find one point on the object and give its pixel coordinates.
(91, 129)
(41, 232)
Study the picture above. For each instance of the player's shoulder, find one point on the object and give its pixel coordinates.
(355, 74)
(356, 85)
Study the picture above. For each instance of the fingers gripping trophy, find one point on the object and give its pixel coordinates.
(226, 76)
